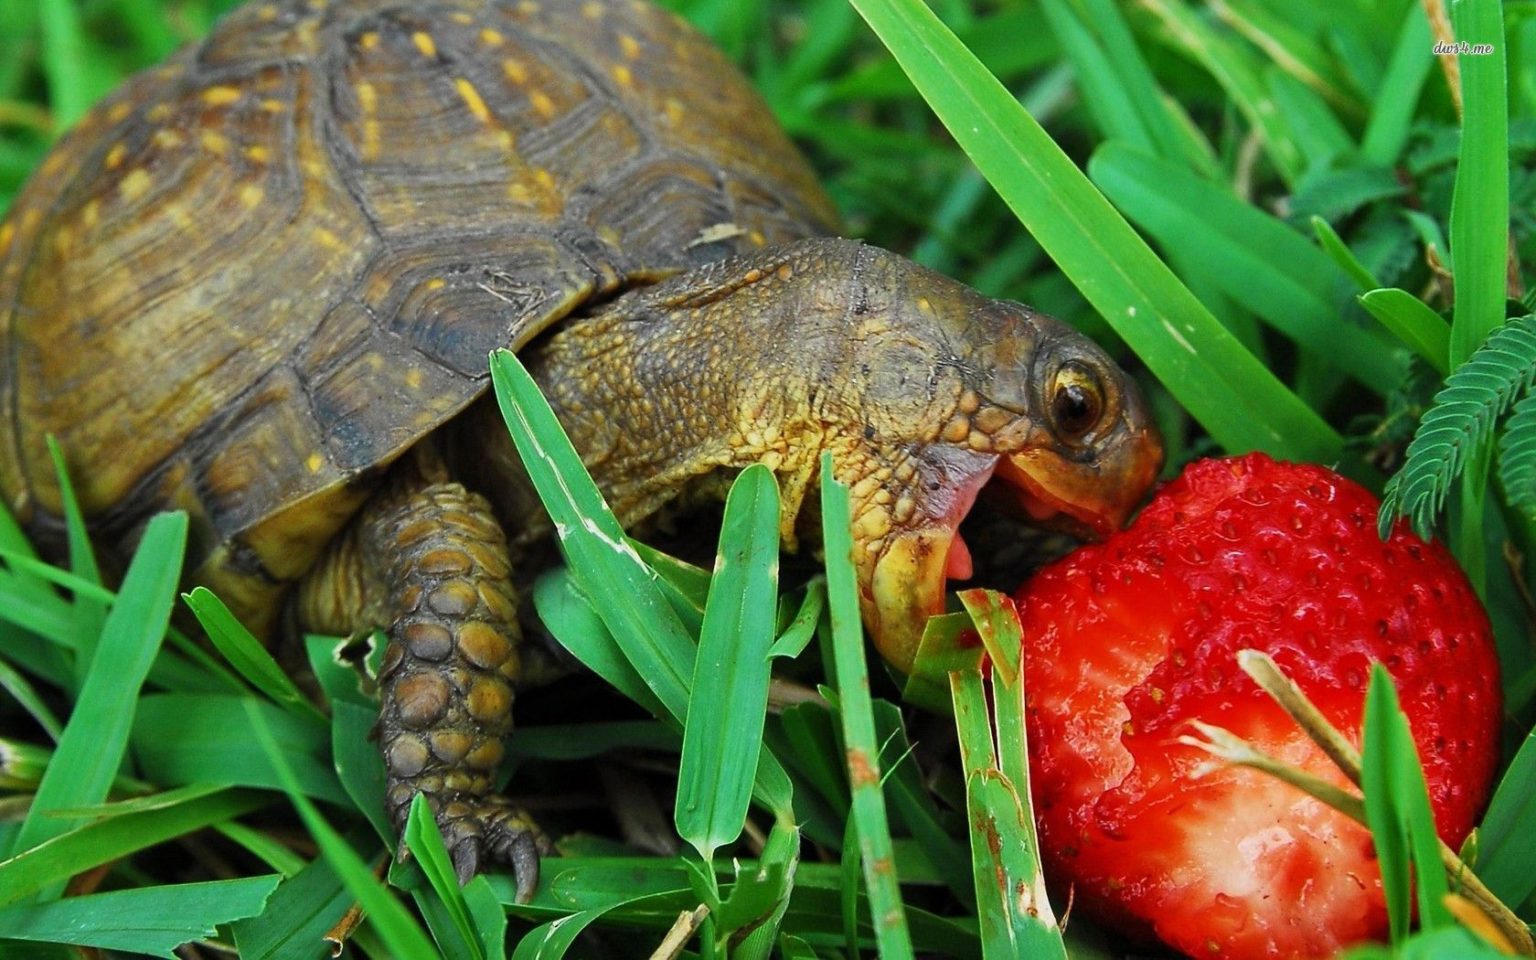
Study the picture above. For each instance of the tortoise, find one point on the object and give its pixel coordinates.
(259, 284)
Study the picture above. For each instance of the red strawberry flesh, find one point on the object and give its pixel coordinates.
(1129, 640)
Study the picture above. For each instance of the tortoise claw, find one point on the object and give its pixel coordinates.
(483, 830)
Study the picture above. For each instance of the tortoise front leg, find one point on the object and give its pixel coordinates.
(429, 560)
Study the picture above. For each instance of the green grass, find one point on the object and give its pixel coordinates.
(1237, 199)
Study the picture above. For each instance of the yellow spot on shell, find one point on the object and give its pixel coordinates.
(251, 196)
(119, 111)
(168, 139)
(221, 96)
(266, 13)
(592, 11)
(473, 100)
(369, 40)
(214, 142)
(326, 238)
(491, 38)
(53, 164)
(924, 305)
(541, 104)
(436, 283)
(257, 154)
(135, 184)
(63, 239)
(115, 156)
(178, 214)
(757, 238)
(544, 178)
(527, 7)
(314, 463)
(159, 113)
(7, 234)
(413, 379)
(505, 141)
(424, 43)
(461, 17)
(368, 101)
(514, 70)
(629, 46)
(675, 110)
(272, 105)
(622, 76)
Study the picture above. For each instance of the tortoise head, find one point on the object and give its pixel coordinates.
(956, 392)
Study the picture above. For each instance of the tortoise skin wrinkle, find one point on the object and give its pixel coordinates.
(259, 284)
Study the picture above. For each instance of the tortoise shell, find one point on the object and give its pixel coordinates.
(260, 272)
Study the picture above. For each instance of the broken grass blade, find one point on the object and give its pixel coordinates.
(146, 920)
(887, 913)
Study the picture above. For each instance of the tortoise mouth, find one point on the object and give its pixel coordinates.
(910, 579)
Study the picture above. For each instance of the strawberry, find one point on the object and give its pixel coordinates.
(1129, 640)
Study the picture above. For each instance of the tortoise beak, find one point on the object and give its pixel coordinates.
(1090, 501)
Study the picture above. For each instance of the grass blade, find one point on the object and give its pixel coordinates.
(869, 816)
(1392, 108)
(55, 861)
(1507, 835)
(1398, 813)
(1480, 203)
(91, 748)
(247, 654)
(426, 845)
(601, 560)
(723, 733)
(389, 918)
(1253, 258)
(152, 920)
(1235, 397)
(1412, 321)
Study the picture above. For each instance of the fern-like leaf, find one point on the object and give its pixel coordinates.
(1459, 422)
(1517, 456)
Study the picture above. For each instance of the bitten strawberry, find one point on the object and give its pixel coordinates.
(1128, 640)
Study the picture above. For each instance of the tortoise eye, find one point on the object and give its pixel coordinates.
(1077, 400)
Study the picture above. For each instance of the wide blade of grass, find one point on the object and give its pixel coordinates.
(1480, 204)
(723, 731)
(81, 849)
(1334, 245)
(207, 738)
(1253, 258)
(1235, 397)
(863, 751)
(574, 622)
(91, 748)
(152, 920)
(389, 918)
(1507, 836)
(297, 916)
